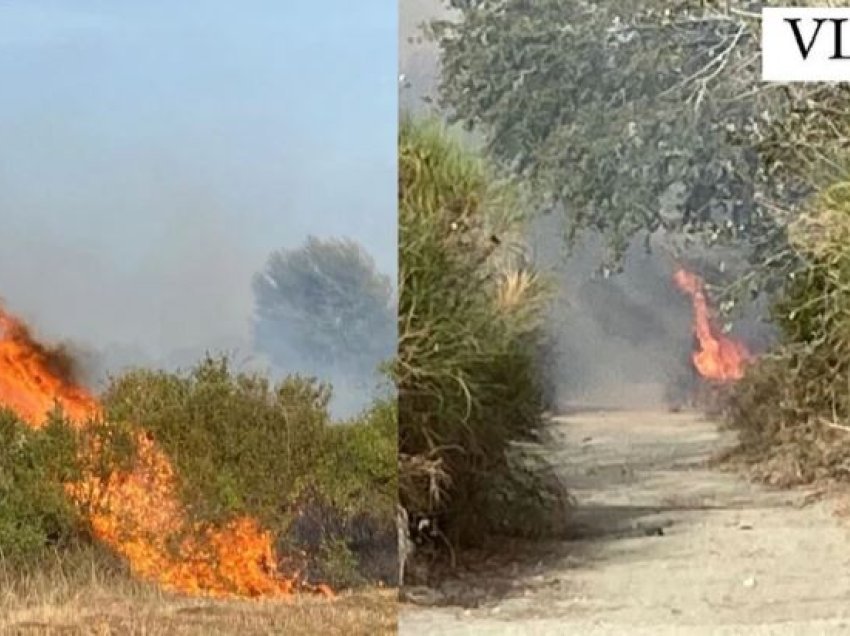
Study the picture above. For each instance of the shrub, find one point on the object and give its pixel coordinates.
(470, 312)
(35, 514)
(792, 404)
(347, 507)
(239, 444)
(244, 446)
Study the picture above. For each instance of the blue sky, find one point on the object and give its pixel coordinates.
(153, 153)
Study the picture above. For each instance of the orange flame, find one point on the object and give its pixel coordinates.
(719, 357)
(138, 513)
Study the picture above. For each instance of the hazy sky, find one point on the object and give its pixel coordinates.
(153, 153)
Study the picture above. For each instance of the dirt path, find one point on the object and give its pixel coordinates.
(663, 545)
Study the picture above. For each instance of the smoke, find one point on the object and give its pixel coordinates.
(418, 57)
(187, 292)
(620, 340)
(153, 161)
(625, 339)
(352, 393)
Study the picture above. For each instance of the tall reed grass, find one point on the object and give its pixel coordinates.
(471, 310)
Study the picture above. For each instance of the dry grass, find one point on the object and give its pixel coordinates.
(99, 611)
(515, 287)
(83, 596)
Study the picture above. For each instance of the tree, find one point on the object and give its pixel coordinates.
(642, 115)
(326, 305)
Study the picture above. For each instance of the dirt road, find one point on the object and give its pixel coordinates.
(662, 545)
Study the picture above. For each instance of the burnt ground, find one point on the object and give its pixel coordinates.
(660, 543)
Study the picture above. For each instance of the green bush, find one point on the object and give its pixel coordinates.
(244, 446)
(240, 445)
(470, 313)
(358, 470)
(35, 514)
(347, 510)
(792, 407)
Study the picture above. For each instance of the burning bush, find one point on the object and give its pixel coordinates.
(187, 477)
(36, 514)
(242, 446)
(792, 406)
(470, 315)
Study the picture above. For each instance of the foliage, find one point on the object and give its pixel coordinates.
(35, 514)
(645, 115)
(793, 406)
(650, 116)
(36, 465)
(239, 443)
(470, 314)
(359, 464)
(326, 304)
(243, 446)
(347, 512)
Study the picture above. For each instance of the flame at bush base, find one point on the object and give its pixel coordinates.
(719, 357)
(137, 512)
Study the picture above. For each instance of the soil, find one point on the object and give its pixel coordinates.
(660, 543)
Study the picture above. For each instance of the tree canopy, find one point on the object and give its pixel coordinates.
(325, 304)
(641, 115)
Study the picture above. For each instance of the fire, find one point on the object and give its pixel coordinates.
(719, 357)
(137, 513)
(31, 378)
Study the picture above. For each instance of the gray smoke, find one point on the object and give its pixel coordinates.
(188, 291)
(188, 294)
(418, 57)
(191, 295)
(620, 339)
(153, 161)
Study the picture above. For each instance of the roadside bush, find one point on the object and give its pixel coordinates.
(242, 445)
(792, 408)
(470, 317)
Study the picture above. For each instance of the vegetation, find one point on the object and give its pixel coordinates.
(636, 117)
(34, 511)
(241, 446)
(792, 407)
(86, 592)
(327, 306)
(36, 516)
(470, 312)
(650, 117)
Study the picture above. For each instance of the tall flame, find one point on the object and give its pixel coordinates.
(137, 512)
(719, 357)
